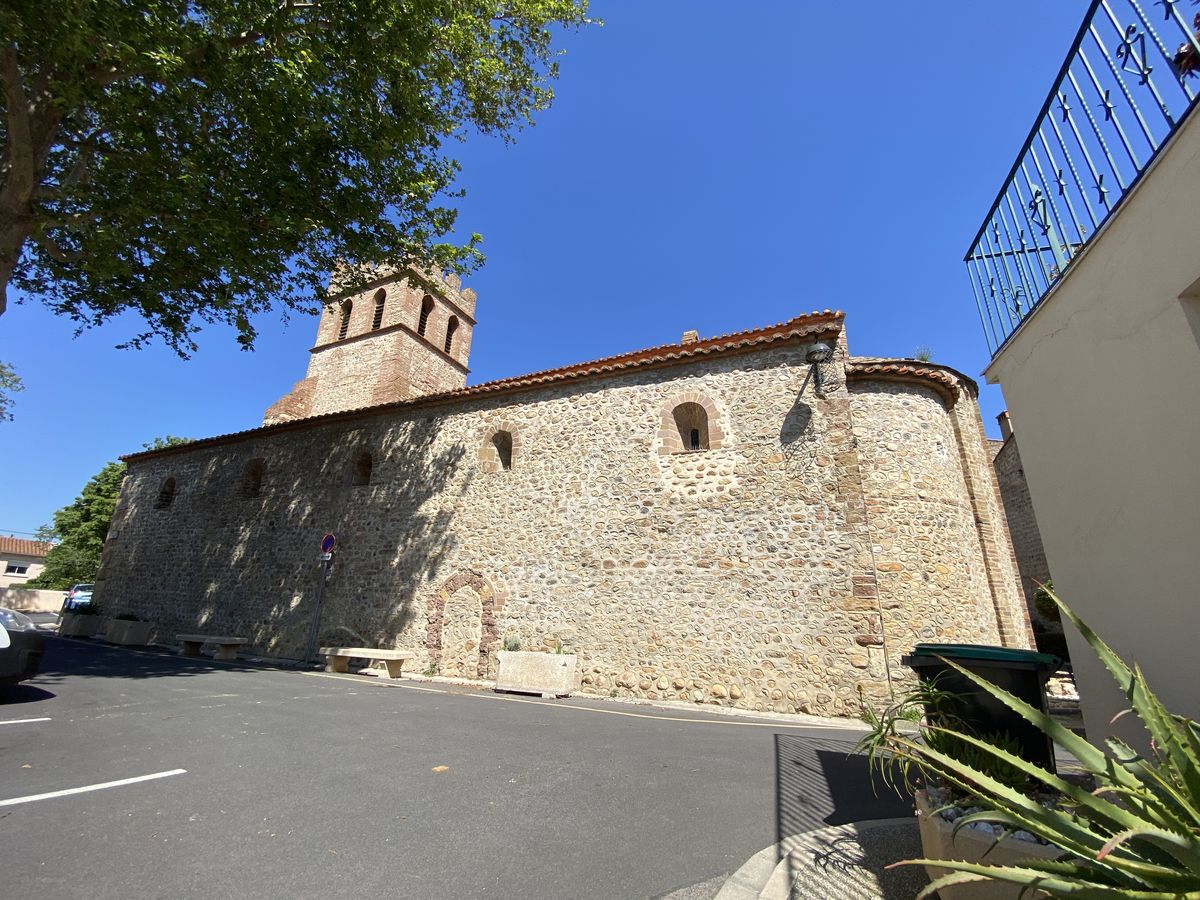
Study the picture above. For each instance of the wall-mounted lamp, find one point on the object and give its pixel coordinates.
(819, 352)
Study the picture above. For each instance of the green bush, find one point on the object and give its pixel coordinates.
(1043, 602)
(85, 609)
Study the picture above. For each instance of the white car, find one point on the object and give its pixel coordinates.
(20, 647)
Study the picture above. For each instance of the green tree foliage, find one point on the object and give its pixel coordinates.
(10, 383)
(207, 160)
(81, 527)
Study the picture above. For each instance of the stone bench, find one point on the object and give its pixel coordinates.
(337, 658)
(226, 646)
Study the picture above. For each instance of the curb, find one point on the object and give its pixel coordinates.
(765, 874)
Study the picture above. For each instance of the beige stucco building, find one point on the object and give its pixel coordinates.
(1098, 381)
(718, 520)
(1100, 362)
(20, 560)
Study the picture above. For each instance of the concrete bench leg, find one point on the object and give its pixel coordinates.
(337, 663)
(190, 648)
(225, 651)
(393, 667)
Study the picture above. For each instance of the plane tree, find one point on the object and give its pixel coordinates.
(200, 161)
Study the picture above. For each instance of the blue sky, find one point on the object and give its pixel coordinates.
(708, 165)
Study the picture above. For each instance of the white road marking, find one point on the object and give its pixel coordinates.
(91, 787)
(23, 721)
(666, 717)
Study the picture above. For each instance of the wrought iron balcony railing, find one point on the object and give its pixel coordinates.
(1130, 78)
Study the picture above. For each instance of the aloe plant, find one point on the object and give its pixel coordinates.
(1135, 835)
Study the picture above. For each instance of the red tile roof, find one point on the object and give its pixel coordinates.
(946, 381)
(23, 547)
(826, 322)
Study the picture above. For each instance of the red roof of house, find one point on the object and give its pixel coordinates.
(23, 547)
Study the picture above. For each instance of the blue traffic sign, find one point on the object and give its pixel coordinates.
(327, 543)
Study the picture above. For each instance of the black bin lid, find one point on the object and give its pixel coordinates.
(987, 653)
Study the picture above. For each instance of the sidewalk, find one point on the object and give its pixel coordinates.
(846, 862)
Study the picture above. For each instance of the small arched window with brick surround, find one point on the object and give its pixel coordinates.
(503, 442)
(499, 447)
(344, 326)
(692, 422)
(426, 309)
(166, 494)
(690, 425)
(380, 300)
(451, 328)
(360, 472)
(253, 477)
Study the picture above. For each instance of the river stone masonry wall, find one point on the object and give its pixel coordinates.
(787, 568)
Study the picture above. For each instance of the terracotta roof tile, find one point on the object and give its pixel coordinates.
(945, 380)
(23, 547)
(815, 323)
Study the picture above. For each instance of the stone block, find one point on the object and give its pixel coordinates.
(525, 672)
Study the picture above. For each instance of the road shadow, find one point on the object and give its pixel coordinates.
(67, 658)
(814, 774)
(11, 694)
(819, 783)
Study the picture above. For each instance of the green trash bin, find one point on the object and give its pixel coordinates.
(1023, 673)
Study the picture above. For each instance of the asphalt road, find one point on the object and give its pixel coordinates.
(303, 785)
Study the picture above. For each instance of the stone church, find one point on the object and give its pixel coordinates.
(758, 519)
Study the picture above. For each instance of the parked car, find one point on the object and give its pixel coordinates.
(78, 595)
(20, 647)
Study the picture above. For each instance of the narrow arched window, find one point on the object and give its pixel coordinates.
(347, 308)
(451, 327)
(503, 442)
(692, 422)
(426, 309)
(361, 472)
(253, 477)
(166, 494)
(380, 300)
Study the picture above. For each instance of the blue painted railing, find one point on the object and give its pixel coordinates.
(1130, 78)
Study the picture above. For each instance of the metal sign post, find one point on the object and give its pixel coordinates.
(327, 544)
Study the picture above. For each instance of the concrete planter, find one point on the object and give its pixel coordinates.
(127, 633)
(525, 672)
(939, 842)
(75, 625)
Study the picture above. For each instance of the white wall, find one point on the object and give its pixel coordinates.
(31, 600)
(1103, 384)
(35, 563)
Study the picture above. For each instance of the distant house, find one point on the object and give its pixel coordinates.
(20, 560)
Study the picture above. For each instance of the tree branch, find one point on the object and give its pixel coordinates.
(20, 133)
(107, 75)
(56, 252)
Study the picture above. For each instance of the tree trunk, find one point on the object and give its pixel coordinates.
(12, 239)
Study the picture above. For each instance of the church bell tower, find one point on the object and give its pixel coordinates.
(405, 335)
